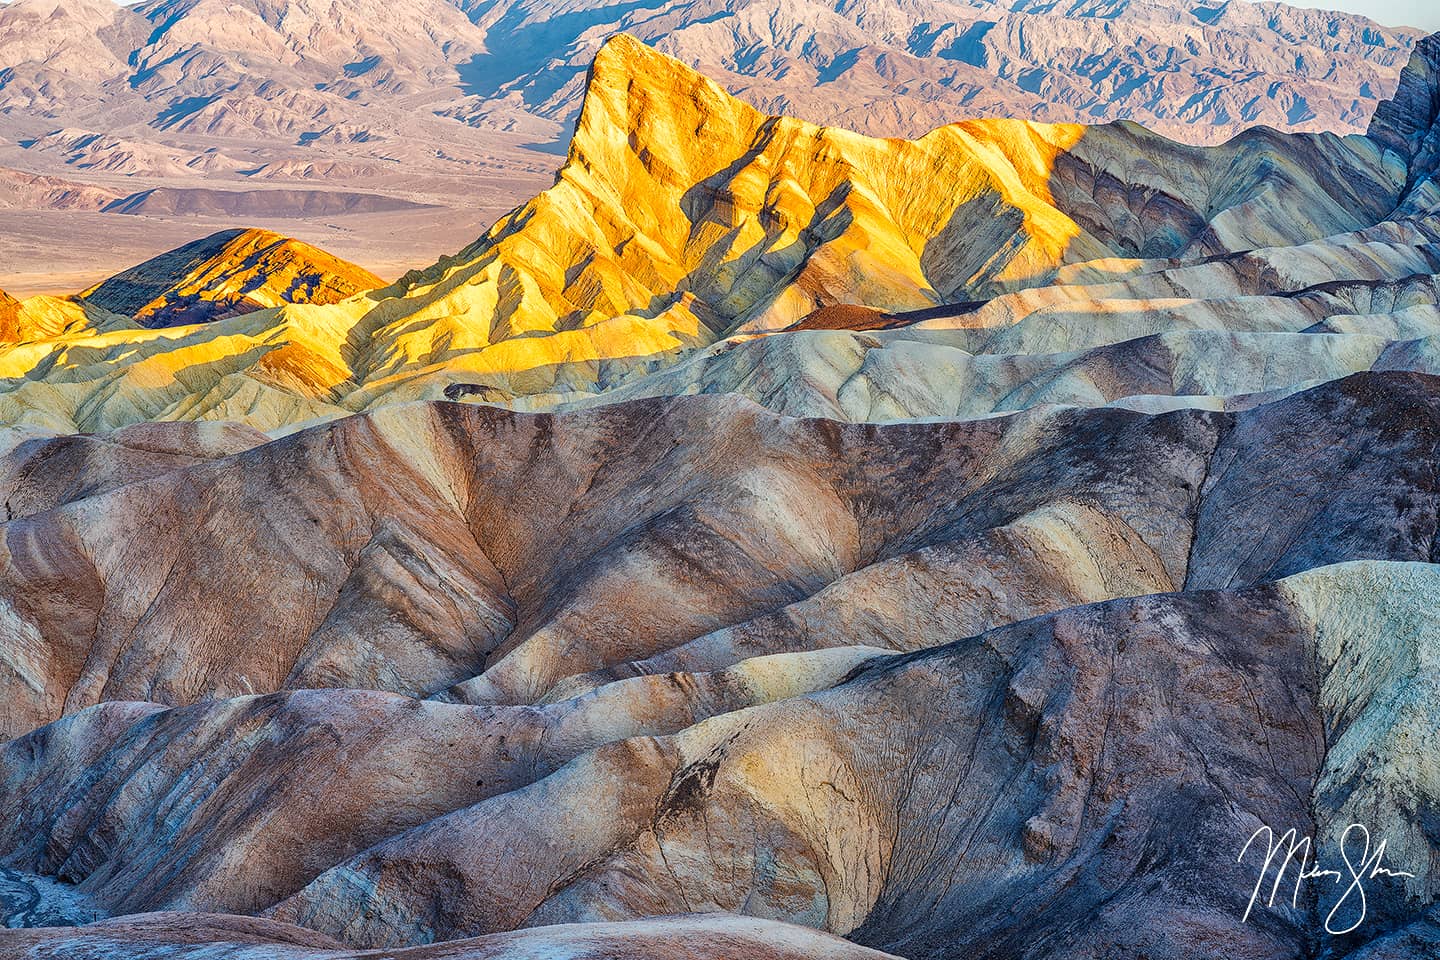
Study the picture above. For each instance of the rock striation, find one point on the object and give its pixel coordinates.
(775, 570)
(833, 765)
(828, 547)
(227, 274)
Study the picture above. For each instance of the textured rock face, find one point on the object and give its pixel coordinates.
(39, 471)
(1011, 808)
(230, 273)
(419, 517)
(794, 719)
(1128, 555)
(1408, 122)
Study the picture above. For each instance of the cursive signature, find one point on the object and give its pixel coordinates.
(1367, 866)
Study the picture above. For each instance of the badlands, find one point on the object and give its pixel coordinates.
(392, 132)
(769, 541)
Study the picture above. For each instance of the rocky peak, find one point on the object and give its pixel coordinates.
(639, 99)
(1409, 122)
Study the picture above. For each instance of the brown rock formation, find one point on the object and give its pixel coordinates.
(879, 545)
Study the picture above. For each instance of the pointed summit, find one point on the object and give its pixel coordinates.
(229, 273)
(670, 108)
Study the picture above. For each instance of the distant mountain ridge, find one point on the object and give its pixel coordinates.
(307, 71)
(887, 68)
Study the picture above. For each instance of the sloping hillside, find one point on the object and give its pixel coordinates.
(227, 274)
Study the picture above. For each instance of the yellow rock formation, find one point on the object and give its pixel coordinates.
(229, 273)
(46, 318)
(683, 216)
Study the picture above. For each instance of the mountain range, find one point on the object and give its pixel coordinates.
(344, 72)
(453, 111)
(768, 541)
(686, 225)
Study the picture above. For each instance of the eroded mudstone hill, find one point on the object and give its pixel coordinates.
(229, 273)
(878, 681)
(415, 506)
(1089, 527)
(686, 221)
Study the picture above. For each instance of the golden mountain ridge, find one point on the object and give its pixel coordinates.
(681, 217)
(227, 274)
